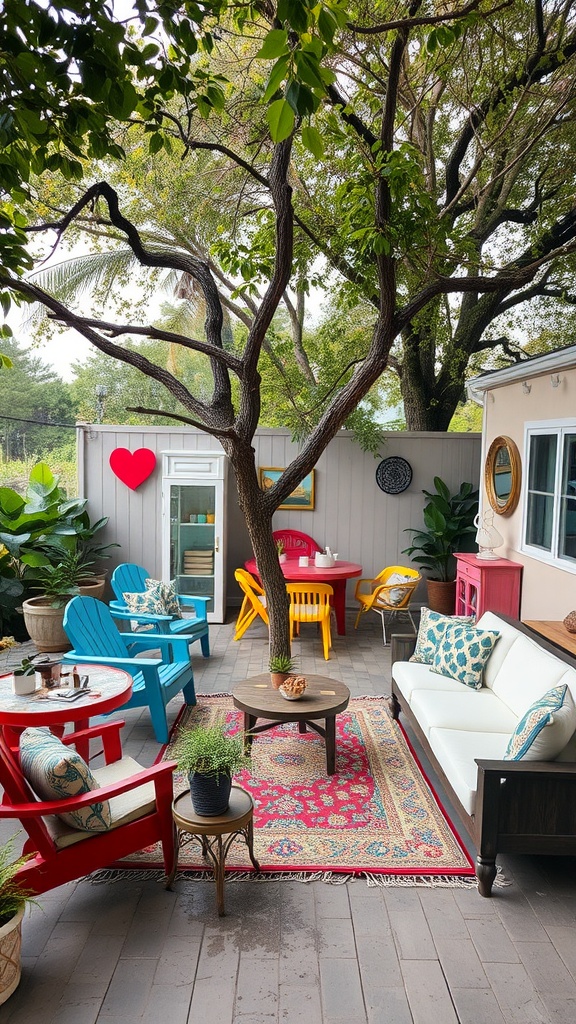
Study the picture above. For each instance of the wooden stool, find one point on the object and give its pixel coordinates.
(237, 822)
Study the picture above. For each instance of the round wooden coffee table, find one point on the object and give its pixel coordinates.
(323, 698)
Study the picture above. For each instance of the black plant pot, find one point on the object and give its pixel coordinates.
(210, 795)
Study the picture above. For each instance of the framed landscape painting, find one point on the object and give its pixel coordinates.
(302, 497)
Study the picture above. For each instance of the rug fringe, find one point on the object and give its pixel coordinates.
(110, 875)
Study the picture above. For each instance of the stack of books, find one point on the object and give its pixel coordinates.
(198, 563)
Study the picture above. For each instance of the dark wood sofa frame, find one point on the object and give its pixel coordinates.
(526, 807)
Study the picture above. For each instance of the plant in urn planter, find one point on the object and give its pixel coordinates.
(13, 899)
(281, 666)
(210, 758)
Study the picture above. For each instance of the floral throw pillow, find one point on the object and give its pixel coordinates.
(431, 631)
(168, 594)
(56, 772)
(545, 728)
(463, 652)
(149, 602)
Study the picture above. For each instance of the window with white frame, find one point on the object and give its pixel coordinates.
(550, 510)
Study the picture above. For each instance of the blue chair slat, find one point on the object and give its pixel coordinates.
(94, 635)
(129, 578)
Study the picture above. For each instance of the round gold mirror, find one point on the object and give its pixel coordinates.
(503, 475)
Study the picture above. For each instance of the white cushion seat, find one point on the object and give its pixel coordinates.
(468, 711)
(457, 750)
(123, 808)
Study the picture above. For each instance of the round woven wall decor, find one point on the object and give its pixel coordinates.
(393, 475)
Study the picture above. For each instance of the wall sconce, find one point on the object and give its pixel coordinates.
(526, 388)
(555, 380)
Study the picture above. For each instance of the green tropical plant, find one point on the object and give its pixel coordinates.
(61, 581)
(25, 668)
(209, 751)
(12, 894)
(282, 663)
(448, 522)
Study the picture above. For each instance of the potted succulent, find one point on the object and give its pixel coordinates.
(281, 666)
(448, 527)
(13, 899)
(24, 680)
(210, 758)
(282, 556)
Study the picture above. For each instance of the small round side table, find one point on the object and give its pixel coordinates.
(216, 834)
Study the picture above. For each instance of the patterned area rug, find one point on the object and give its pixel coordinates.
(376, 816)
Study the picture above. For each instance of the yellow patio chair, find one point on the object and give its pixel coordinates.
(390, 591)
(310, 602)
(253, 605)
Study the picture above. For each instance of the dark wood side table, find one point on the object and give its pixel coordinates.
(216, 834)
(322, 698)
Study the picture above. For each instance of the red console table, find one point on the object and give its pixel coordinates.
(487, 585)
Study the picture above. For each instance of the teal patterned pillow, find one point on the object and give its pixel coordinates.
(463, 652)
(545, 728)
(149, 602)
(168, 594)
(55, 772)
(431, 631)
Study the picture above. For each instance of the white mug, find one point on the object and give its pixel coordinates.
(303, 561)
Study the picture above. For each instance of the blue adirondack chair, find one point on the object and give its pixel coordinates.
(96, 639)
(129, 578)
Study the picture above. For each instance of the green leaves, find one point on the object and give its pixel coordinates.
(275, 44)
(313, 141)
(280, 117)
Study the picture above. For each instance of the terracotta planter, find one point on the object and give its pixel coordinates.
(10, 946)
(442, 596)
(44, 625)
(93, 587)
(277, 679)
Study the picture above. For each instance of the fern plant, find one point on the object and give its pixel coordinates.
(12, 893)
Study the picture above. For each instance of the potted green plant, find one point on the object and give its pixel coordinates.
(282, 556)
(13, 899)
(281, 666)
(210, 758)
(448, 526)
(69, 574)
(23, 680)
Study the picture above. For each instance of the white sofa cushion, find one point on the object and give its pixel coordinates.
(508, 636)
(526, 674)
(456, 751)
(467, 710)
(545, 728)
(410, 676)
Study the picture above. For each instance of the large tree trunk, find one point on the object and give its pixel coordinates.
(258, 516)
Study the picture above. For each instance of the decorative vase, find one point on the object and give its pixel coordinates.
(44, 625)
(442, 596)
(570, 622)
(10, 946)
(210, 795)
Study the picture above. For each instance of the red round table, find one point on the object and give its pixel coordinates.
(109, 689)
(336, 577)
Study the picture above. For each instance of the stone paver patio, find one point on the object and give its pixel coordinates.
(129, 952)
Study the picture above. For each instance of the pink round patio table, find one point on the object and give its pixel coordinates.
(336, 577)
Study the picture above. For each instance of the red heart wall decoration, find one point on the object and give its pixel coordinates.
(132, 468)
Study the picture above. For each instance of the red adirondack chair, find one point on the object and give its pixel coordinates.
(59, 853)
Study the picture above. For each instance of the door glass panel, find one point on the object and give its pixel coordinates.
(192, 531)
